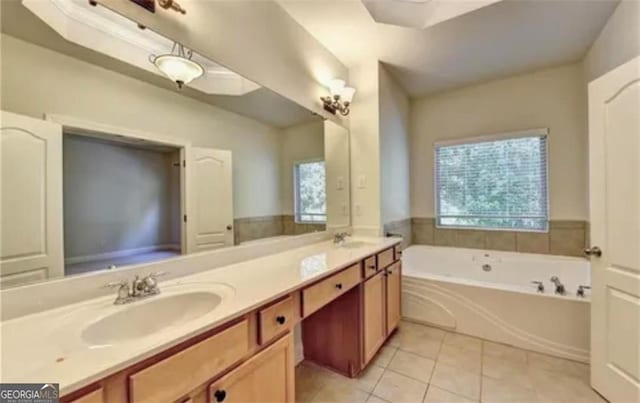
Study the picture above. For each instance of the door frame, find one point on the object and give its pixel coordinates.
(87, 127)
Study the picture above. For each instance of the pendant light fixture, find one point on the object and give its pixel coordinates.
(178, 65)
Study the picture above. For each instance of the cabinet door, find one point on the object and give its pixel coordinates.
(394, 290)
(31, 199)
(374, 315)
(267, 377)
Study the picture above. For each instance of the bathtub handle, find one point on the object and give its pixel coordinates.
(540, 285)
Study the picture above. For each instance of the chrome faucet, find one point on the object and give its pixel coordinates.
(140, 288)
(559, 286)
(540, 286)
(339, 237)
(581, 288)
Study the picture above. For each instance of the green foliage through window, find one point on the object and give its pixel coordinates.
(496, 184)
(310, 192)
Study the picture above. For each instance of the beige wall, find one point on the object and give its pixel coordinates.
(553, 98)
(618, 42)
(336, 149)
(255, 38)
(394, 149)
(365, 150)
(116, 197)
(36, 81)
(298, 143)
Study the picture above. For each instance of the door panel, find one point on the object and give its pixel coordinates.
(393, 281)
(210, 220)
(374, 315)
(614, 143)
(267, 377)
(31, 194)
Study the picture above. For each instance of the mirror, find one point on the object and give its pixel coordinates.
(127, 168)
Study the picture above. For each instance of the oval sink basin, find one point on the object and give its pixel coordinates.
(355, 244)
(145, 317)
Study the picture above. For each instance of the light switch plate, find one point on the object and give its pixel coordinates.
(362, 182)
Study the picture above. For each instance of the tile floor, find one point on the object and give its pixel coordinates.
(424, 364)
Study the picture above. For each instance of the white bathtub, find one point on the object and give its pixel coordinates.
(448, 288)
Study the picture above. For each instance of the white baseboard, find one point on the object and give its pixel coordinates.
(120, 253)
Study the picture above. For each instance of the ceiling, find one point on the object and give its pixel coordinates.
(505, 38)
(262, 104)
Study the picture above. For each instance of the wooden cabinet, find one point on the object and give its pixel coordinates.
(325, 291)
(276, 319)
(374, 326)
(93, 397)
(180, 373)
(386, 257)
(266, 377)
(370, 266)
(393, 282)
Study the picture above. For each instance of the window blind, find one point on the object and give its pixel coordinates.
(495, 183)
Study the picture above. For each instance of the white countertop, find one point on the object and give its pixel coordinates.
(48, 347)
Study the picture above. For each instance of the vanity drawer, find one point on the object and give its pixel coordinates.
(370, 266)
(276, 319)
(182, 372)
(320, 294)
(385, 258)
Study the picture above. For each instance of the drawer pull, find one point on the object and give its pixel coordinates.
(339, 286)
(220, 395)
(281, 319)
(372, 266)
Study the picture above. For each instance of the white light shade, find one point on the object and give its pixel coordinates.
(336, 86)
(347, 94)
(178, 68)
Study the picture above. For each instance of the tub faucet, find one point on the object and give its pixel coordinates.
(559, 286)
(580, 292)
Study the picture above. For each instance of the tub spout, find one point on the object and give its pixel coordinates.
(559, 286)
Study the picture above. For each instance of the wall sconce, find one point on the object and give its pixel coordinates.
(340, 97)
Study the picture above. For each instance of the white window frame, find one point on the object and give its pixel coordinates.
(296, 193)
(538, 132)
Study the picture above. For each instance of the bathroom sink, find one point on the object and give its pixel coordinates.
(145, 317)
(355, 244)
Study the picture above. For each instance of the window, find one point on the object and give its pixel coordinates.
(498, 182)
(310, 194)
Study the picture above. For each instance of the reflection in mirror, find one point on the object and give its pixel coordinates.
(128, 169)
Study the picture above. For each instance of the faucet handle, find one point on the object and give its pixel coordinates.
(151, 283)
(581, 288)
(540, 285)
(116, 284)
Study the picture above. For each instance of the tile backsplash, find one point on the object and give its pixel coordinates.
(250, 228)
(565, 237)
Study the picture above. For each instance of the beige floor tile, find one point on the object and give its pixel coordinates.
(454, 356)
(504, 352)
(437, 395)
(456, 380)
(340, 393)
(375, 399)
(498, 391)
(384, 356)
(394, 340)
(505, 369)
(560, 365)
(395, 387)
(463, 341)
(556, 387)
(309, 381)
(412, 365)
(368, 379)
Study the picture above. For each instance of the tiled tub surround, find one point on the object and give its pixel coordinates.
(425, 364)
(490, 295)
(247, 286)
(565, 237)
(400, 227)
(252, 228)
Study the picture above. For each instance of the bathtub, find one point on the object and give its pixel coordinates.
(489, 294)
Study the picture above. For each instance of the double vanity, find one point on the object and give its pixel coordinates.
(224, 334)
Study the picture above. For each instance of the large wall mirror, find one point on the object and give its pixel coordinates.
(106, 163)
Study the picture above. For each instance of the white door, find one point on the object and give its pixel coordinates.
(210, 196)
(31, 197)
(614, 143)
